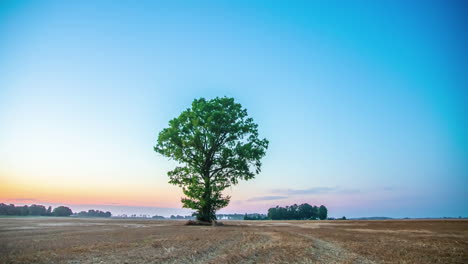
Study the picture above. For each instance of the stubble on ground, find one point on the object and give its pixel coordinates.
(73, 240)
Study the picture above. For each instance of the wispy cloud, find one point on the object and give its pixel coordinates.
(315, 190)
(266, 198)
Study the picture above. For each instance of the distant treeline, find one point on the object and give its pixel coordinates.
(158, 217)
(256, 217)
(93, 213)
(173, 217)
(181, 217)
(230, 216)
(34, 210)
(298, 212)
(189, 217)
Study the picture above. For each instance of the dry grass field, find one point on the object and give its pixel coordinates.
(72, 240)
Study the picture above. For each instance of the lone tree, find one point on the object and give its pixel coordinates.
(216, 144)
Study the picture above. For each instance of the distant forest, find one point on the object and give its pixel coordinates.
(40, 210)
(93, 213)
(304, 211)
(189, 217)
(34, 210)
(293, 212)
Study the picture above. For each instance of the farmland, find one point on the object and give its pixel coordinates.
(75, 240)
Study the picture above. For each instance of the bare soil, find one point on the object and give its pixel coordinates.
(74, 240)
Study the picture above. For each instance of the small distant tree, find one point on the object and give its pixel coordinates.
(216, 145)
(322, 212)
(49, 211)
(62, 211)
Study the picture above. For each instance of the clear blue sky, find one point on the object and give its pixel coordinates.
(364, 102)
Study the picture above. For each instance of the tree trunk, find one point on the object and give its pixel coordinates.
(205, 213)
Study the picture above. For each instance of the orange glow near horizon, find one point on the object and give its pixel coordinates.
(17, 191)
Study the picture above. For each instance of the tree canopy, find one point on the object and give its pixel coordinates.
(216, 144)
(322, 212)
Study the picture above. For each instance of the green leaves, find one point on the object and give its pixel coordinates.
(217, 145)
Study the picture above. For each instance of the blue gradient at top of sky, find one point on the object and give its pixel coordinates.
(364, 102)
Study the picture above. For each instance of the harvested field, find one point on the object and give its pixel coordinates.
(73, 240)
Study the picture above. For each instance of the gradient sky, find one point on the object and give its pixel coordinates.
(364, 102)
